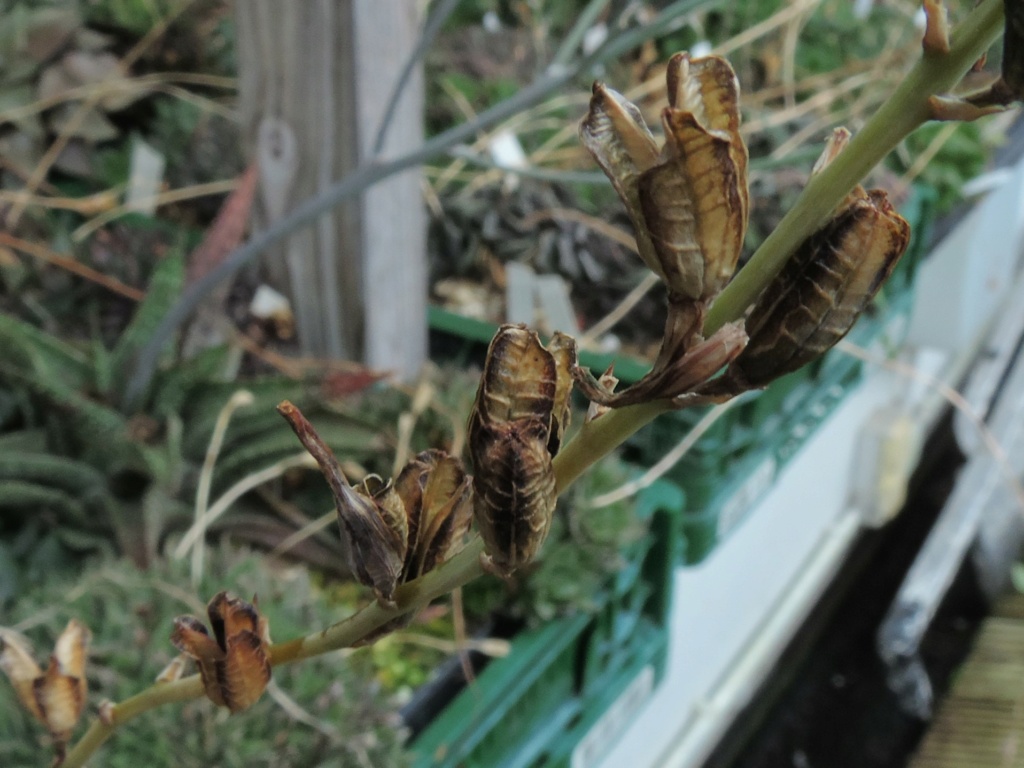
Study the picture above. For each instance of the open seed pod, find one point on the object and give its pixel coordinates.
(689, 205)
(234, 663)
(689, 202)
(515, 429)
(394, 532)
(57, 696)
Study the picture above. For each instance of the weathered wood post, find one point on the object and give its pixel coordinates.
(315, 77)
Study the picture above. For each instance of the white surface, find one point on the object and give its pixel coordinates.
(971, 271)
(736, 596)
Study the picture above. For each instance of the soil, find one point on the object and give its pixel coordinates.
(827, 705)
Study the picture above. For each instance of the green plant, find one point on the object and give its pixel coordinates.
(343, 723)
(98, 469)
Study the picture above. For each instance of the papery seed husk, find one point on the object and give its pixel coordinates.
(409, 487)
(667, 202)
(391, 507)
(71, 648)
(61, 699)
(616, 136)
(191, 637)
(680, 380)
(712, 172)
(373, 551)
(435, 490)
(822, 289)
(444, 514)
(229, 616)
(373, 523)
(519, 379)
(245, 671)
(708, 88)
(514, 492)
(563, 351)
(22, 670)
(234, 663)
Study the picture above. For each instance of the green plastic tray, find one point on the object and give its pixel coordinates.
(537, 704)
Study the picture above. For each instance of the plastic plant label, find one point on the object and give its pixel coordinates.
(595, 744)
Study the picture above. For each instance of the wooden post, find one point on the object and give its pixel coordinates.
(314, 78)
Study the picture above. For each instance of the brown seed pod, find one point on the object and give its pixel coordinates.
(823, 288)
(696, 203)
(57, 696)
(234, 663)
(689, 205)
(516, 427)
(514, 488)
(689, 202)
(394, 532)
(615, 134)
(437, 497)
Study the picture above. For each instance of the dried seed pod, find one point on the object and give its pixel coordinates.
(689, 204)
(696, 203)
(234, 663)
(395, 532)
(615, 134)
(57, 696)
(437, 496)
(518, 420)
(372, 519)
(514, 489)
(823, 288)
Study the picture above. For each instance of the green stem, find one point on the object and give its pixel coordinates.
(904, 111)
(600, 437)
(463, 567)
(901, 114)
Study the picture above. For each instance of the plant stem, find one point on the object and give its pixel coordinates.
(600, 437)
(903, 112)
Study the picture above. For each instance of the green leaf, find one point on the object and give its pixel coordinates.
(42, 353)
